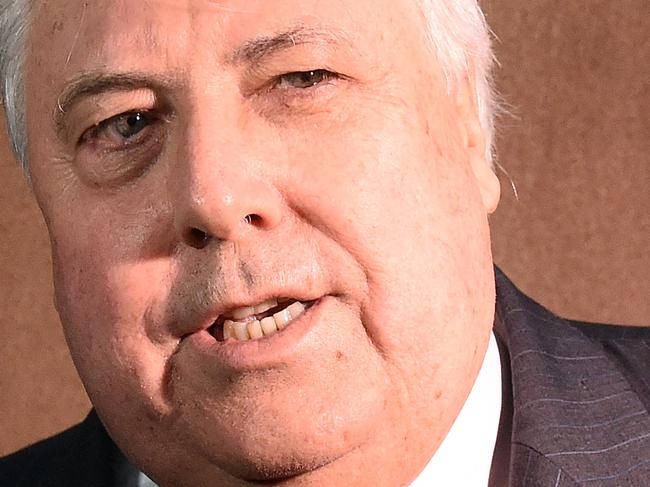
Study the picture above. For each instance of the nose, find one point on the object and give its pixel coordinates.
(219, 195)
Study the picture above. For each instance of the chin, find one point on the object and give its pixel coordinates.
(273, 444)
(280, 466)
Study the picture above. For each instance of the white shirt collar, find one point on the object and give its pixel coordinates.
(465, 455)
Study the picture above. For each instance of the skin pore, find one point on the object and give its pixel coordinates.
(153, 122)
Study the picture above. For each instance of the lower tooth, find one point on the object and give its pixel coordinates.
(241, 330)
(254, 329)
(282, 318)
(228, 330)
(268, 326)
(296, 309)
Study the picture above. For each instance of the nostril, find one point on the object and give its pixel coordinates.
(253, 219)
(197, 238)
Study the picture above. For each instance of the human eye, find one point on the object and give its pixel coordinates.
(304, 79)
(121, 131)
(121, 147)
(298, 92)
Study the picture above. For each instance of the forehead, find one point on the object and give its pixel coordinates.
(108, 32)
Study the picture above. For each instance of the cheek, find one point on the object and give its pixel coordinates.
(382, 188)
(406, 208)
(96, 257)
(103, 295)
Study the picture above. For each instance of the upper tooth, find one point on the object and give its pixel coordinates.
(241, 313)
(266, 305)
(245, 312)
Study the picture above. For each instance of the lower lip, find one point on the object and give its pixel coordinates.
(262, 353)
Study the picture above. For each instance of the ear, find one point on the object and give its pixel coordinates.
(474, 142)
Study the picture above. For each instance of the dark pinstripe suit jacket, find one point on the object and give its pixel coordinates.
(580, 395)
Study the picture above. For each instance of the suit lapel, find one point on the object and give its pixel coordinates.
(576, 419)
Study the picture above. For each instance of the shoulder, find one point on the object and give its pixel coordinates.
(580, 394)
(574, 346)
(628, 350)
(80, 455)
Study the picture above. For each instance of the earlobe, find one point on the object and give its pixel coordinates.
(474, 140)
(488, 184)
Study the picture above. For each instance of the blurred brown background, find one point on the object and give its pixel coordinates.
(575, 75)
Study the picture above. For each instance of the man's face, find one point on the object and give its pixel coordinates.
(156, 128)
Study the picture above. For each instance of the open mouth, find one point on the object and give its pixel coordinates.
(262, 320)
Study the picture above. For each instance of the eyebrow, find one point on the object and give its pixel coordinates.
(94, 83)
(254, 50)
(250, 52)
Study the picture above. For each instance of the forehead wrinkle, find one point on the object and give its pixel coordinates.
(253, 50)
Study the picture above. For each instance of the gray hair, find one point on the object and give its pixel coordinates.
(462, 43)
(14, 17)
(457, 30)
